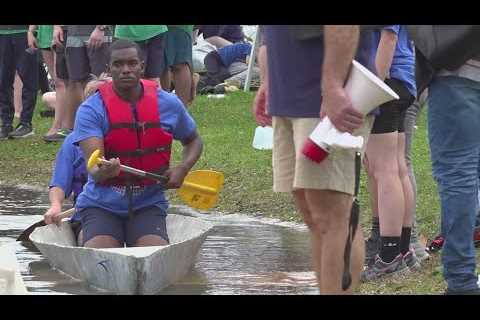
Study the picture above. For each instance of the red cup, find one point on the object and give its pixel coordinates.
(314, 151)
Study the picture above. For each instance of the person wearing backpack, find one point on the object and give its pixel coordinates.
(448, 63)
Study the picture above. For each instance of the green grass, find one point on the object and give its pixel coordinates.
(227, 128)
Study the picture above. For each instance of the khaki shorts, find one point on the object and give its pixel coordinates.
(292, 170)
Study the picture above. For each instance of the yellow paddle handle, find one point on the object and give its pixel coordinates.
(93, 160)
(200, 187)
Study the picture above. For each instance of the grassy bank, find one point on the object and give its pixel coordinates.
(227, 128)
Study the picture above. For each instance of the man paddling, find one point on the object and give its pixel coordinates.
(132, 122)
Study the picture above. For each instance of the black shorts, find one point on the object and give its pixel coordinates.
(153, 50)
(392, 113)
(60, 60)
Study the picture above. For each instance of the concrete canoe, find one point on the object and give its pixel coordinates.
(134, 270)
(11, 281)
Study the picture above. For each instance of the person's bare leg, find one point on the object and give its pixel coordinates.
(150, 240)
(383, 165)
(302, 208)
(166, 80)
(406, 183)
(372, 188)
(80, 239)
(103, 242)
(73, 98)
(49, 59)
(50, 100)
(17, 95)
(59, 120)
(195, 80)
(182, 77)
(330, 215)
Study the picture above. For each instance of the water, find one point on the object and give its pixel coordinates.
(241, 255)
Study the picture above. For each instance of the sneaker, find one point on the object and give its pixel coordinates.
(372, 247)
(381, 269)
(412, 261)
(420, 250)
(436, 244)
(22, 131)
(56, 137)
(476, 237)
(64, 132)
(4, 131)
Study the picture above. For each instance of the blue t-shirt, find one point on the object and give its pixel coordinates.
(403, 63)
(92, 121)
(70, 172)
(295, 70)
(235, 52)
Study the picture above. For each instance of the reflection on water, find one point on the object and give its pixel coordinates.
(241, 255)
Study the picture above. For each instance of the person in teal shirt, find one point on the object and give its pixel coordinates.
(179, 62)
(151, 39)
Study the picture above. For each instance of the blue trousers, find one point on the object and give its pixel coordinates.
(454, 136)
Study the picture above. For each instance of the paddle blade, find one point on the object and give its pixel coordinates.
(25, 235)
(201, 188)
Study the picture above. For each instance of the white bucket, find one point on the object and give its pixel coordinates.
(263, 138)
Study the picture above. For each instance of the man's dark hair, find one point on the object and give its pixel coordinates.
(124, 44)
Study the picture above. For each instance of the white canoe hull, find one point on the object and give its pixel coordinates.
(11, 281)
(138, 270)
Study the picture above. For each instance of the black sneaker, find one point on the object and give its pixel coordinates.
(4, 131)
(21, 131)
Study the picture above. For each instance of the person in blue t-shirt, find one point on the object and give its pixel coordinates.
(69, 176)
(217, 63)
(118, 209)
(390, 186)
(221, 35)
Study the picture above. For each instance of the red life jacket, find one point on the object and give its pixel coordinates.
(138, 142)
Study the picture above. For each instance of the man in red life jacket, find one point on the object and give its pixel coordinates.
(132, 122)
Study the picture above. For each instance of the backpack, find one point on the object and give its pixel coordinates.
(440, 47)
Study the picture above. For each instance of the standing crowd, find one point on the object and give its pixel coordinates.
(112, 92)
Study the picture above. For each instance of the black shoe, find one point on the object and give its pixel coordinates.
(473, 292)
(4, 131)
(22, 131)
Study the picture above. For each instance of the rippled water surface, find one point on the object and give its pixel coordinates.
(241, 255)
